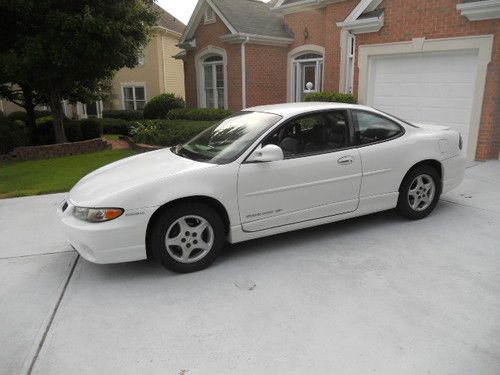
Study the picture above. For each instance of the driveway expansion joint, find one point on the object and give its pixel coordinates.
(54, 312)
(37, 255)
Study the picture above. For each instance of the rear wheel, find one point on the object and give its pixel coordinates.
(419, 193)
(187, 237)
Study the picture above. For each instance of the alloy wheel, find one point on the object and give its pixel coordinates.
(189, 239)
(421, 193)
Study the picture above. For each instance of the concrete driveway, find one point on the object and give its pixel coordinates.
(377, 294)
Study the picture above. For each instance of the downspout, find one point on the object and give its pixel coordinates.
(163, 64)
(244, 74)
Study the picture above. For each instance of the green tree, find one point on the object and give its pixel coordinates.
(70, 50)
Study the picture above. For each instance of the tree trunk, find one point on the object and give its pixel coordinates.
(30, 113)
(57, 112)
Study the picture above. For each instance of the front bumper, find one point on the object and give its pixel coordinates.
(115, 241)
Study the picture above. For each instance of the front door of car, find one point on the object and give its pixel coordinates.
(319, 177)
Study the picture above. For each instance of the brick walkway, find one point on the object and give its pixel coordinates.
(118, 144)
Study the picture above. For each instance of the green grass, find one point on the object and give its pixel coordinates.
(35, 177)
(111, 137)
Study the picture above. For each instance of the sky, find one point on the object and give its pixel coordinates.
(180, 9)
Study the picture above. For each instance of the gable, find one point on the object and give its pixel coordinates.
(242, 18)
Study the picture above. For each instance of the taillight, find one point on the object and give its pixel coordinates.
(460, 141)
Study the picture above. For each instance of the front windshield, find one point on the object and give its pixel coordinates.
(227, 140)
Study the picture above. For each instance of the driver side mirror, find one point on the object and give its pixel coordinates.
(266, 154)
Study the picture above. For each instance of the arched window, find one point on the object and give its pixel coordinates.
(307, 74)
(213, 81)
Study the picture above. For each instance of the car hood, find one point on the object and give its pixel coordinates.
(130, 173)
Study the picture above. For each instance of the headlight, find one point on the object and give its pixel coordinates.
(97, 215)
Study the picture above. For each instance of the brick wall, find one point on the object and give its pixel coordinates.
(323, 31)
(266, 74)
(56, 151)
(207, 35)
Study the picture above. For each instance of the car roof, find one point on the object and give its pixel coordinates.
(293, 109)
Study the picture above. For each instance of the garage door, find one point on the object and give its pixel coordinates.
(433, 88)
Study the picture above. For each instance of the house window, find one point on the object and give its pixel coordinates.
(213, 82)
(307, 74)
(94, 109)
(209, 15)
(351, 55)
(134, 97)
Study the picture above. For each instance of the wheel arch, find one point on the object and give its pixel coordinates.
(209, 201)
(433, 163)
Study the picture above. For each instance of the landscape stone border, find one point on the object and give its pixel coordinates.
(56, 151)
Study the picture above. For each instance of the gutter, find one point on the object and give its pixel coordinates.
(364, 25)
(244, 73)
(257, 39)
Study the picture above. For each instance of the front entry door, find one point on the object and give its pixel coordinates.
(319, 177)
(308, 75)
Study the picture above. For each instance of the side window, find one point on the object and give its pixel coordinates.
(372, 128)
(312, 134)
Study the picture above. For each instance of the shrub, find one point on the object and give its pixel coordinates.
(12, 134)
(17, 115)
(39, 114)
(115, 126)
(328, 96)
(21, 115)
(44, 132)
(201, 114)
(2, 114)
(73, 130)
(123, 114)
(161, 105)
(91, 129)
(167, 132)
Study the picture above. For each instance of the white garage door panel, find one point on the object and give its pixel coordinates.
(432, 88)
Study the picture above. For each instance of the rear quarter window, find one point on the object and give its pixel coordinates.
(373, 128)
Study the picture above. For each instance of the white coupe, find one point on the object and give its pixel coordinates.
(262, 171)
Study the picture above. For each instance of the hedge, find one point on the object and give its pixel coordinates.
(167, 132)
(123, 114)
(76, 131)
(116, 126)
(328, 96)
(21, 115)
(12, 134)
(201, 114)
(159, 106)
(91, 129)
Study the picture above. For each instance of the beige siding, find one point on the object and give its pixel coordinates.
(8, 107)
(160, 73)
(174, 69)
(146, 75)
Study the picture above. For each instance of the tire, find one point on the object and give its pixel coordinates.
(187, 237)
(419, 193)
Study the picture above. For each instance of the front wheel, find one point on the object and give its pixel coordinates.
(187, 237)
(419, 193)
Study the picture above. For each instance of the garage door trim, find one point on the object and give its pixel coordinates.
(483, 44)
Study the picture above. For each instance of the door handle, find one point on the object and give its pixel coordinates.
(346, 160)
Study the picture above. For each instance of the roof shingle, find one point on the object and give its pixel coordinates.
(253, 17)
(168, 21)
